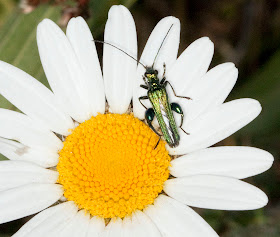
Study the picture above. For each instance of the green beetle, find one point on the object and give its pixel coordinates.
(158, 97)
(161, 107)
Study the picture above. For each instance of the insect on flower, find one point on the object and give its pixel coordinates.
(158, 96)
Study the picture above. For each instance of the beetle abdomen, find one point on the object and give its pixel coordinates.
(163, 112)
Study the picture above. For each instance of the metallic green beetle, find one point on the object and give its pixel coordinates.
(158, 97)
(161, 107)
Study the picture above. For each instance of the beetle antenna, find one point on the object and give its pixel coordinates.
(103, 42)
(162, 44)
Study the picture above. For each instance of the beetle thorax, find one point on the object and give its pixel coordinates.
(152, 77)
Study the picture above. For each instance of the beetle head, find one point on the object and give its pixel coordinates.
(151, 74)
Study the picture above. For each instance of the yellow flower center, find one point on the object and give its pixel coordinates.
(109, 167)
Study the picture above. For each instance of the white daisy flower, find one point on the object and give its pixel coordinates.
(106, 178)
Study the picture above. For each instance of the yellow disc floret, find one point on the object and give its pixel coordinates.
(109, 167)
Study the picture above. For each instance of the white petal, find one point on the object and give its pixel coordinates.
(192, 64)
(217, 125)
(27, 200)
(209, 92)
(82, 42)
(19, 127)
(17, 151)
(48, 220)
(139, 225)
(118, 68)
(63, 70)
(113, 229)
(96, 226)
(175, 219)
(33, 98)
(237, 162)
(129, 228)
(167, 54)
(145, 226)
(17, 173)
(78, 226)
(215, 192)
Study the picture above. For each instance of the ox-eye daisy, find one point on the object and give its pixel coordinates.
(92, 171)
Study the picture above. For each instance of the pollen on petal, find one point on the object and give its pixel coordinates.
(109, 165)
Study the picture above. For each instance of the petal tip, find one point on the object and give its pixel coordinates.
(207, 40)
(172, 18)
(75, 24)
(117, 9)
(169, 20)
(257, 105)
(46, 21)
(269, 160)
(262, 200)
(253, 105)
(80, 20)
(204, 43)
(229, 65)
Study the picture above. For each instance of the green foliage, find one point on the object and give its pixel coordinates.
(5, 9)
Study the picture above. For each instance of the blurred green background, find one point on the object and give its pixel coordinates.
(246, 32)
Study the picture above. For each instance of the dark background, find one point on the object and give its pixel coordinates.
(246, 32)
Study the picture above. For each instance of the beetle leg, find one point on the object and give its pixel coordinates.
(163, 76)
(157, 143)
(149, 116)
(145, 80)
(164, 70)
(144, 86)
(184, 97)
(185, 131)
(143, 98)
(177, 108)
